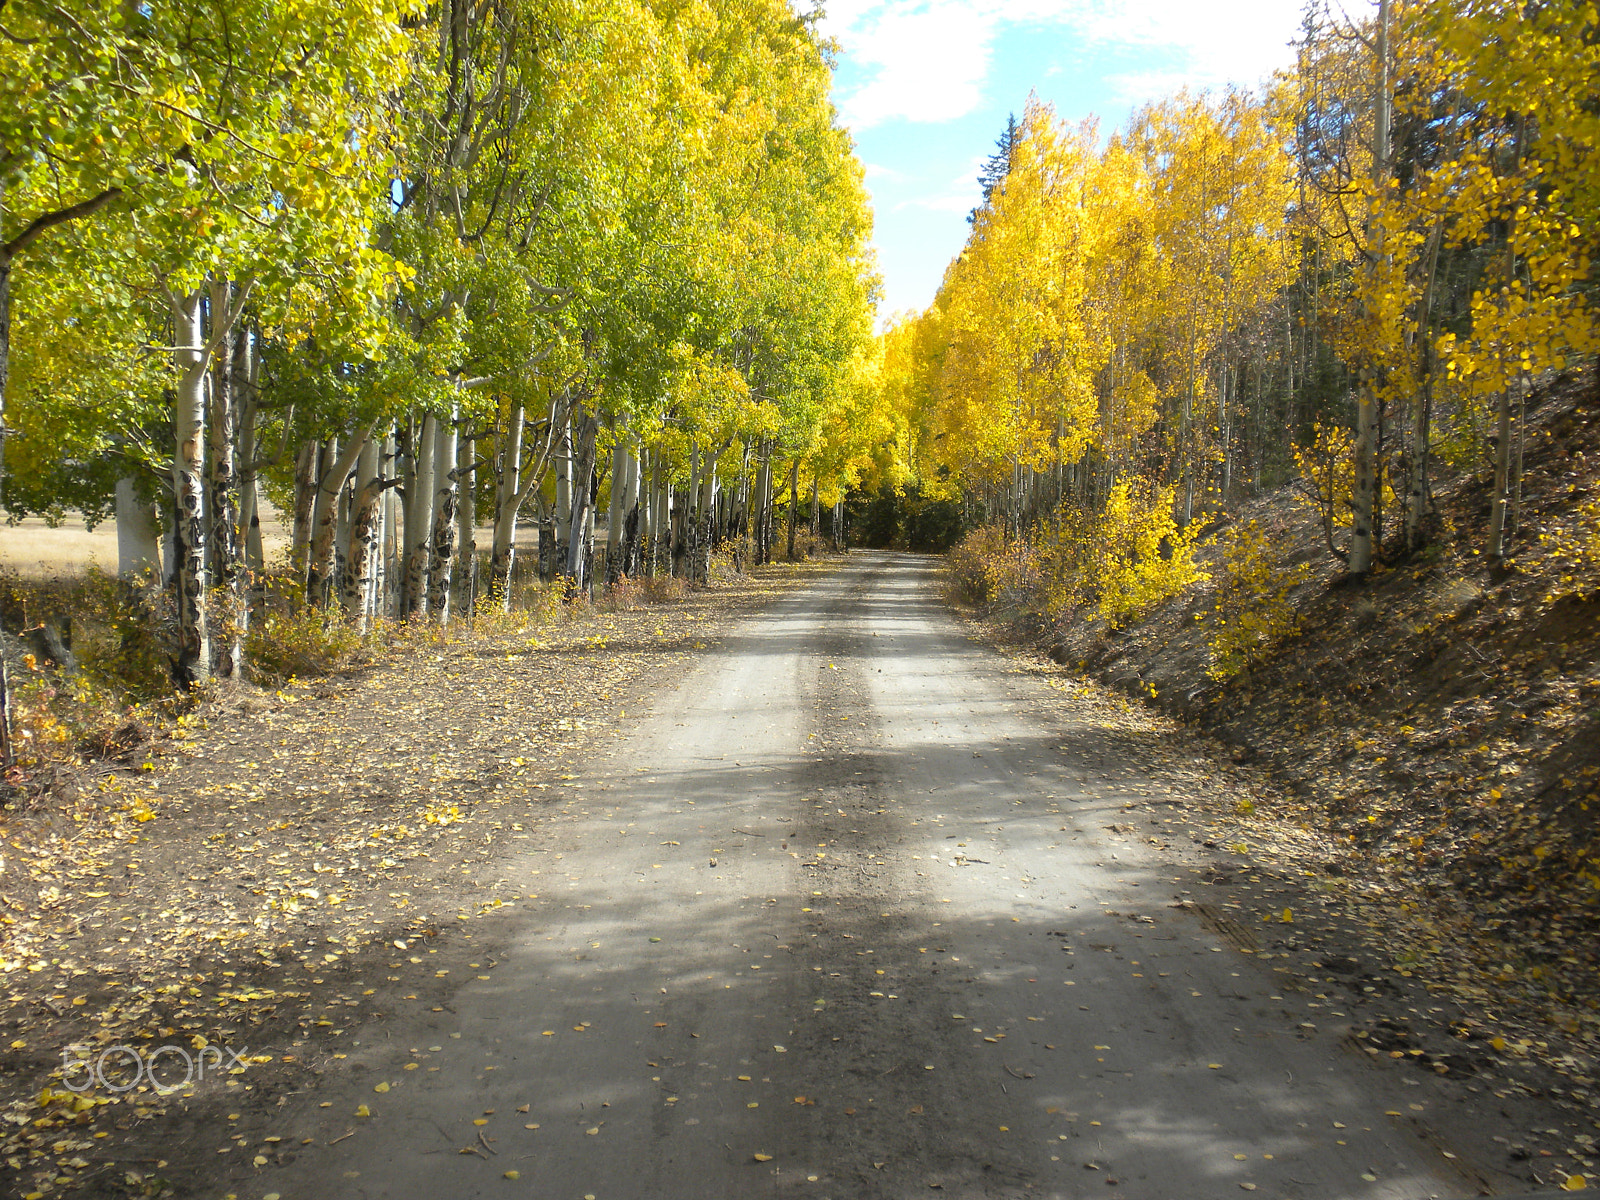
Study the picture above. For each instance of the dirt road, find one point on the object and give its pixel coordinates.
(843, 919)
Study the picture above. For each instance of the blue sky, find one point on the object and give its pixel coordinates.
(925, 87)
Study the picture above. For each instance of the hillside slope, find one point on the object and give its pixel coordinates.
(1440, 723)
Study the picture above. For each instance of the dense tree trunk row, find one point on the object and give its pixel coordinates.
(382, 521)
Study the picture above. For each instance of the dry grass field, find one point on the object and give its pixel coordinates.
(34, 550)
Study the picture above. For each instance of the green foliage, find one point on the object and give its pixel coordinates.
(907, 519)
(123, 683)
(124, 638)
(1254, 611)
(291, 640)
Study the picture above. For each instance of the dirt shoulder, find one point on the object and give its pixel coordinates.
(283, 868)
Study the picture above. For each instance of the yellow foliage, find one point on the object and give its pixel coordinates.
(1132, 555)
(1253, 611)
(1326, 473)
(1574, 543)
(1118, 562)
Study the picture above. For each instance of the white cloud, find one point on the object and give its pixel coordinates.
(961, 202)
(960, 194)
(929, 60)
(923, 61)
(886, 174)
(1212, 45)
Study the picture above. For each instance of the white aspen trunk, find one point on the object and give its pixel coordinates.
(769, 515)
(763, 487)
(685, 520)
(419, 515)
(816, 507)
(307, 467)
(591, 558)
(341, 539)
(1365, 535)
(322, 514)
(508, 497)
(563, 515)
(443, 538)
(355, 594)
(225, 542)
(188, 489)
(138, 533)
(582, 489)
(740, 502)
(324, 538)
(466, 536)
(794, 503)
(647, 509)
(249, 478)
(660, 524)
(388, 572)
(705, 526)
(619, 471)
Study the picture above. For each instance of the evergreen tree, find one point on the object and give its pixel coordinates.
(998, 165)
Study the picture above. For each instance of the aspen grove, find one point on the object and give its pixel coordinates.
(406, 270)
(1336, 283)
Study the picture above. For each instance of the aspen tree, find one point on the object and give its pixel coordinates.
(1366, 533)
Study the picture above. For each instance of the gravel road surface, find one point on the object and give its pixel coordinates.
(842, 919)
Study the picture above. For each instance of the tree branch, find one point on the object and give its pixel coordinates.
(61, 216)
